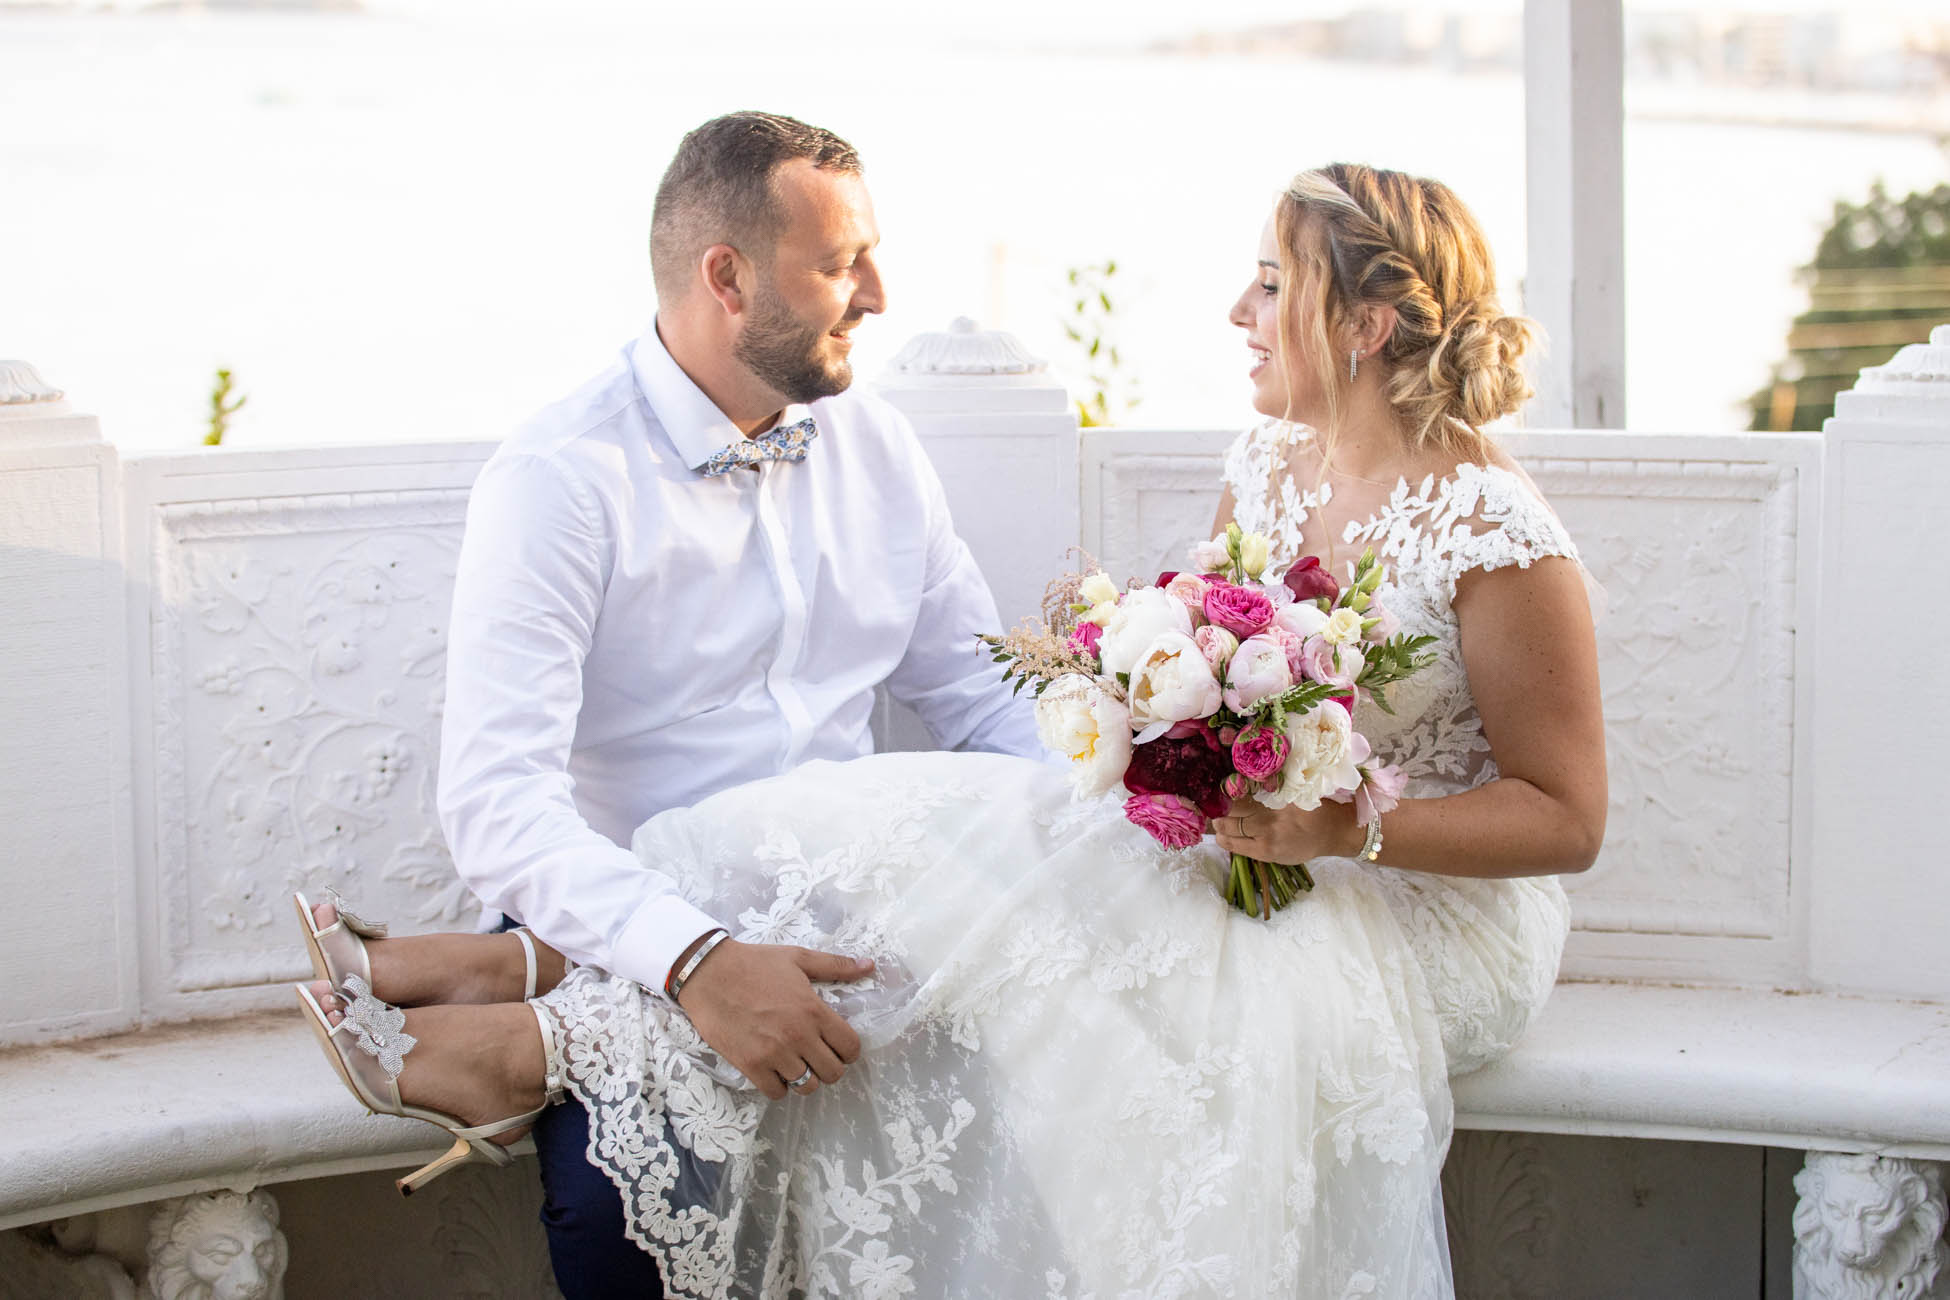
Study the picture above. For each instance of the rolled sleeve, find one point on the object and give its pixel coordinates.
(527, 592)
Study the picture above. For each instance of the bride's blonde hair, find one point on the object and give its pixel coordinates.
(1352, 237)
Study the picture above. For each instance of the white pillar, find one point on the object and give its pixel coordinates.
(1002, 434)
(1869, 1225)
(1881, 748)
(1574, 284)
(67, 929)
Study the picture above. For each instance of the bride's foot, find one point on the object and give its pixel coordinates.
(477, 1064)
(439, 969)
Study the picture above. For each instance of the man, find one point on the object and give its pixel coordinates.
(691, 573)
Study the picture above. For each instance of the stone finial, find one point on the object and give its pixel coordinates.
(1867, 1226)
(24, 392)
(1911, 388)
(1921, 369)
(963, 350)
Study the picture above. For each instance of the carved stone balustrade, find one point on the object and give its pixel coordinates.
(224, 683)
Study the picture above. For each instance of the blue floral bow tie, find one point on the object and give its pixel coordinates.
(787, 442)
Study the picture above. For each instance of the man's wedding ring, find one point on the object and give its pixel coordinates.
(802, 1080)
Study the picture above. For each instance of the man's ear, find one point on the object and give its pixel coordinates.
(727, 276)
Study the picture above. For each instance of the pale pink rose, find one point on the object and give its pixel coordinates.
(1276, 595)
(1188, 589)
(1210, 557)
(1168, 818)
(1239, 610)
(1217, 645)
(1292, 644)
(1171, 683)
(1323, 661)
(1257, 672)
(1260, 753)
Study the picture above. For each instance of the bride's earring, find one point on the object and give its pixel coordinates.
(1353, 364)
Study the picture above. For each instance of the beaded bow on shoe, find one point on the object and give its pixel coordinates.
(382, 1028)
(787, 442)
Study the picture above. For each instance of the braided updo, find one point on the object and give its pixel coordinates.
(1353, 237)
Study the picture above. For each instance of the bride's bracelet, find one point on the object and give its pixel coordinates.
(675, 984)
(1371, 848)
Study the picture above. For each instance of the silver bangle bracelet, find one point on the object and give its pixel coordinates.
(690, 967)
(1371, 849)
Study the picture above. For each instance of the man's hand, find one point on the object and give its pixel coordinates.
(754, 1004)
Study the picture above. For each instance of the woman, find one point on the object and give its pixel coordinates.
(1082, 1073)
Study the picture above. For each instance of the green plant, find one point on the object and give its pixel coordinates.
(1880, 278)
(1111, 390)
(221, 409)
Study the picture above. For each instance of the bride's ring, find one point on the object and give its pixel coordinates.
(802, 1080)
(1239, 829)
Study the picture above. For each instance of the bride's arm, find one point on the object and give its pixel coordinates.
(1531, 655)
(1226, 507)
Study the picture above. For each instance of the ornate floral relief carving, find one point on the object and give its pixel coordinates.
(1154, 509)
(300, 644)
(216, 1244)
(1869, 1227)
(1696, 661)
(490, 1235)
(1496, 1195)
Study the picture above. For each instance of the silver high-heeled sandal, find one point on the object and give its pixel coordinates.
(339, 950)
(368, 1047)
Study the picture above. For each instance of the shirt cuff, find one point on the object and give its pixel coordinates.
(652, 941)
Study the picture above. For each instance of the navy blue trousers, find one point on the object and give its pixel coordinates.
(582, 1212)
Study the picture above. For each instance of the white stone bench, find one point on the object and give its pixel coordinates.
(247, 1103)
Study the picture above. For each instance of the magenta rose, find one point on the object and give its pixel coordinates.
(1238, 610)
(1169, 819)
(1260, 753)
(1083, 639)
(1188, 760)
(1308, 581)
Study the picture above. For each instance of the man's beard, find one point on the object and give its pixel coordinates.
(783, 351)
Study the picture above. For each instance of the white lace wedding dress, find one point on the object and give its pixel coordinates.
(1084, 1074)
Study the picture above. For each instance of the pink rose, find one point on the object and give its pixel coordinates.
(1257, 672)
(1217, 645)
(1290, 643)
(1236, 787)
(1323, 661)
(1189, 591)
(1238, 610)
(1388, 628)
(1084, 637)
(1308, 581)
(1167, 818)
(1260, 753)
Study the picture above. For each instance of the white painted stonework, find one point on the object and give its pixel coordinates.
(225, 682)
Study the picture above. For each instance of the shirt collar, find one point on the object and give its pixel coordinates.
(697, 428)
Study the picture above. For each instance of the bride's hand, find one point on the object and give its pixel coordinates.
(754, 1004)
(1289, 835)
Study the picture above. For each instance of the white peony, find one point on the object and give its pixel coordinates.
(1142, 617)
(1087, 725)
(1302, 618)
(1171, 683)
(1324, 760)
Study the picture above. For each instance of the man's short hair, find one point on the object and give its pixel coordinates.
(718, 190)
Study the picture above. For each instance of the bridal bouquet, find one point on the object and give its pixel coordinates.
(1216, 685)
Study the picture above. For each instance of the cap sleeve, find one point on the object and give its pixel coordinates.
(1500, 519)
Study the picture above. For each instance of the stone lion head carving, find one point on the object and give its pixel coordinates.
(1868, 1227)
(219, 1246)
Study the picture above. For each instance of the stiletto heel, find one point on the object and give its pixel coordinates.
(368, 1047)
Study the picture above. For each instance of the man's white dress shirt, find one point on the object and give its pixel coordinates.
(630, 636)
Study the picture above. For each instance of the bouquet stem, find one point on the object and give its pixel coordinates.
(1263, 888)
